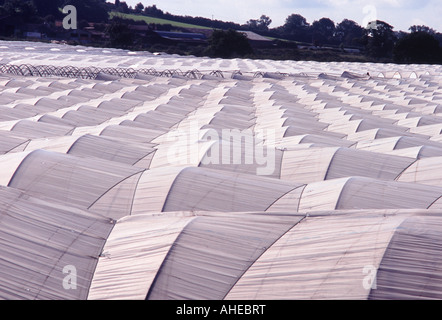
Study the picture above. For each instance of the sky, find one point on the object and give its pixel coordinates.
(401, 14)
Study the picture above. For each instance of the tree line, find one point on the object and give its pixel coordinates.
(377, 40)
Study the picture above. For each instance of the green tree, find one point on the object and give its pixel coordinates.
(379, 39)
(418, 47)
(120, 36)
(297, 28)
(139, 7)
(48, 7)
(153, 11)
(227, 44)
(20, 10)
(349, 32)
(323, 31)
(123, 7)
(90, 10)
(261, 24)
(425, 29)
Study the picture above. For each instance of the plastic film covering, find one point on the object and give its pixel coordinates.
(424, 171)
(383, 145)
(57, 144)
(320, 196)
(44, 105)
(411, 265)
(137, 245)
(436, 204)
(120, 106)
(118, 201)
(56, 120)
(341, 142)
(289, 202)
(8, 113)
(75, 181)
(296, 131)
(198, 189)
(9, 164)
(109, 86)
(158, 120)
(10, 143)
(306, 166)
(87, 116)
(41, 244)
(407, 142)
(112, 149)
(419, 152)
(319, 163)
(243, 154)
(364, 193)
(323, 257)
(180, 150)
(152, 189)
(87, 93)
(72, 100)
(223, 120)
(212, 253)
(374, 134)
(35, 130)
(348, 162)
(26, 108)
(178, 108)
(326, 141)
(307, 124)
(137, 135)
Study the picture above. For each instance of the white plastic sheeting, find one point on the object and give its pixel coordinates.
(197, 189)
(113, 150)
(77, 181)
(323, 257)
(328, 255)
(410, 268)
(210, 255)
(41, 244)
(120, 178)
(133, 253)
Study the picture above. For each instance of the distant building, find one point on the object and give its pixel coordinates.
(256, 40)
(32, 35)
(140, 30)
(86, 35)
(183, 37)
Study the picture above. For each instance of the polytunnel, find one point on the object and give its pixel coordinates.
(194, 178)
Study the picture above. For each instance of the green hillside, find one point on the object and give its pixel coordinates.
(149, 20)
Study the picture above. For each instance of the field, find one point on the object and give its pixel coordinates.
(152, 20)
